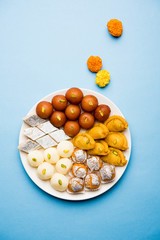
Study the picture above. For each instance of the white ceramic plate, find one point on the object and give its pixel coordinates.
(45, 185)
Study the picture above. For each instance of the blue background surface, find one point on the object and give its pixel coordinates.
(44, 46)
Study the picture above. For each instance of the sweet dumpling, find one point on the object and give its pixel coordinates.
(83, 141)
(99, 131)
(45, 171)
(59, 182)
(79, 156)
(115, 157)
(107, 173)
(117, 140)
(116, 123)
(79, 170)
(75, 185)
(92, 181)
(101, 148)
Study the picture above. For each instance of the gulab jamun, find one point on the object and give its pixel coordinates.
(71, 128)
(44, 109)
(59, 102)
(74, 95)
(72, 112)
(89, 103)
(102, 112)
(58, 119)
(86, 120)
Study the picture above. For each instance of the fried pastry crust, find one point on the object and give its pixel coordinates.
(101, 148)
(115, 157)
(99, 131)
(116, 123)
(117, 140)
(83, 141)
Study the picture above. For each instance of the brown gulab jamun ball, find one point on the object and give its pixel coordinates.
(58, 119)
(89, 103)
(86, 120)
(74, 95)
(72, 112)
(44, 109)
(102, 112)
(59, 102)
(71, 128)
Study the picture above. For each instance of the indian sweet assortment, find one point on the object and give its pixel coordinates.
(73, 142)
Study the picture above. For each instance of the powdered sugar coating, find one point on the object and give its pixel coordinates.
(79, 171)
(107, 172)
(76, 184)
(79, 156)
(94, 163)
(92, 181)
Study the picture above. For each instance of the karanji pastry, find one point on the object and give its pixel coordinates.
(117, 140)
(99, 131)
(116, 123)
(115, 157)
(83, 141)
(101, 148)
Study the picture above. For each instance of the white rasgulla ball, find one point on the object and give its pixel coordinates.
(45, 171)
(51, 155)
(63, 165)
(65, 148)
(59, 182)
(35, 158)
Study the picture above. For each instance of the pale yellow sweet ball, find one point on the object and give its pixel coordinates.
(51, 155)
(64, 165)
(65, 149)
(45, 171)
(59, 182)
(35, 158)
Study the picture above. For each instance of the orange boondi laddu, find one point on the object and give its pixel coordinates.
(94, 63)
(115, 27)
